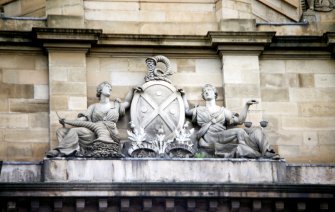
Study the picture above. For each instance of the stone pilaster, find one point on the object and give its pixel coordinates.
(240, 52)
(67, 50)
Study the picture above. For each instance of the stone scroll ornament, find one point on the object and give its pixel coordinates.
(157, 128)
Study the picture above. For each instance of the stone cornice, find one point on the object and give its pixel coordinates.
(61, 39)
(240, 43)
(208, 46)
(299, 47)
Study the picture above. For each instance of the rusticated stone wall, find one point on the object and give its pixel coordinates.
(24, 107)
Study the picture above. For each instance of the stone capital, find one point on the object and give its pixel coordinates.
(237, 43)
(62, 39)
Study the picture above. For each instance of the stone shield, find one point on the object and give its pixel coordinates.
(158, 109)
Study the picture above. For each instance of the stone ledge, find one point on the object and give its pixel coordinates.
(165, 171)
(228, 190)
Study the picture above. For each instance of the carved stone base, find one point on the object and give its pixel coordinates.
(100, 150)
(162, 170)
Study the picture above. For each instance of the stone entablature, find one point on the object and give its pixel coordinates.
(237, 184)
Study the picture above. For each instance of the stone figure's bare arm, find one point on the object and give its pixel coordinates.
(188, 111)
(129, 97)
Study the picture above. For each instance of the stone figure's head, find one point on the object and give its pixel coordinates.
(151, 63)
(104, 88)
(206, 88)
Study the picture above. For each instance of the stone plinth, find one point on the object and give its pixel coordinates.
(20, 172)
(165, 171)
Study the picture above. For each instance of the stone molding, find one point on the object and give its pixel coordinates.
(62, 39)
(176, 189)
(240, 43)
(300, 47)
(232, 43)
(330, 37)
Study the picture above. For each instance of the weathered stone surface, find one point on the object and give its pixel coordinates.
(68, 88)
(16, 91)
(117, 5)
(310, 66)
(306, 80)
(311, 94)
(275, 94)
(41, 92)
(19, 76)
(285, 138)
(243, 22)
(317, 108)
(308, 123)
(13, 120)
(40, 149)
(16, 61)
(67, 59)
(77, 74)
(311, 174)
(27, 135)
(282, 108)
(20, 172)
(28, 105)
(77, 103)
(208, 65)
(183, 79)
(39, 120)
(242, 91)
(326, 137)
(325, 80)
(272, 66)
(272, 80)
(126, 78)
(4, 105)
(21, 7)
(160, 170)
(19, 151)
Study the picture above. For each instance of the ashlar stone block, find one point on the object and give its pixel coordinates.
(27, 135)
(308, 123)
(272, 66)
(77, 103)
(275, 94)
(68, 88)
(324, 80)
(208, 66)
(317, 108)
(310, 66)
(41, 92)
(311, 94)
(13, 120)
(28, 105)
(67, 59)
(117, 5)
(326, 137)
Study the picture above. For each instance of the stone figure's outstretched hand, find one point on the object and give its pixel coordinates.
(138, 89)
(251, 102)
(62, 121)
(181, 91)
